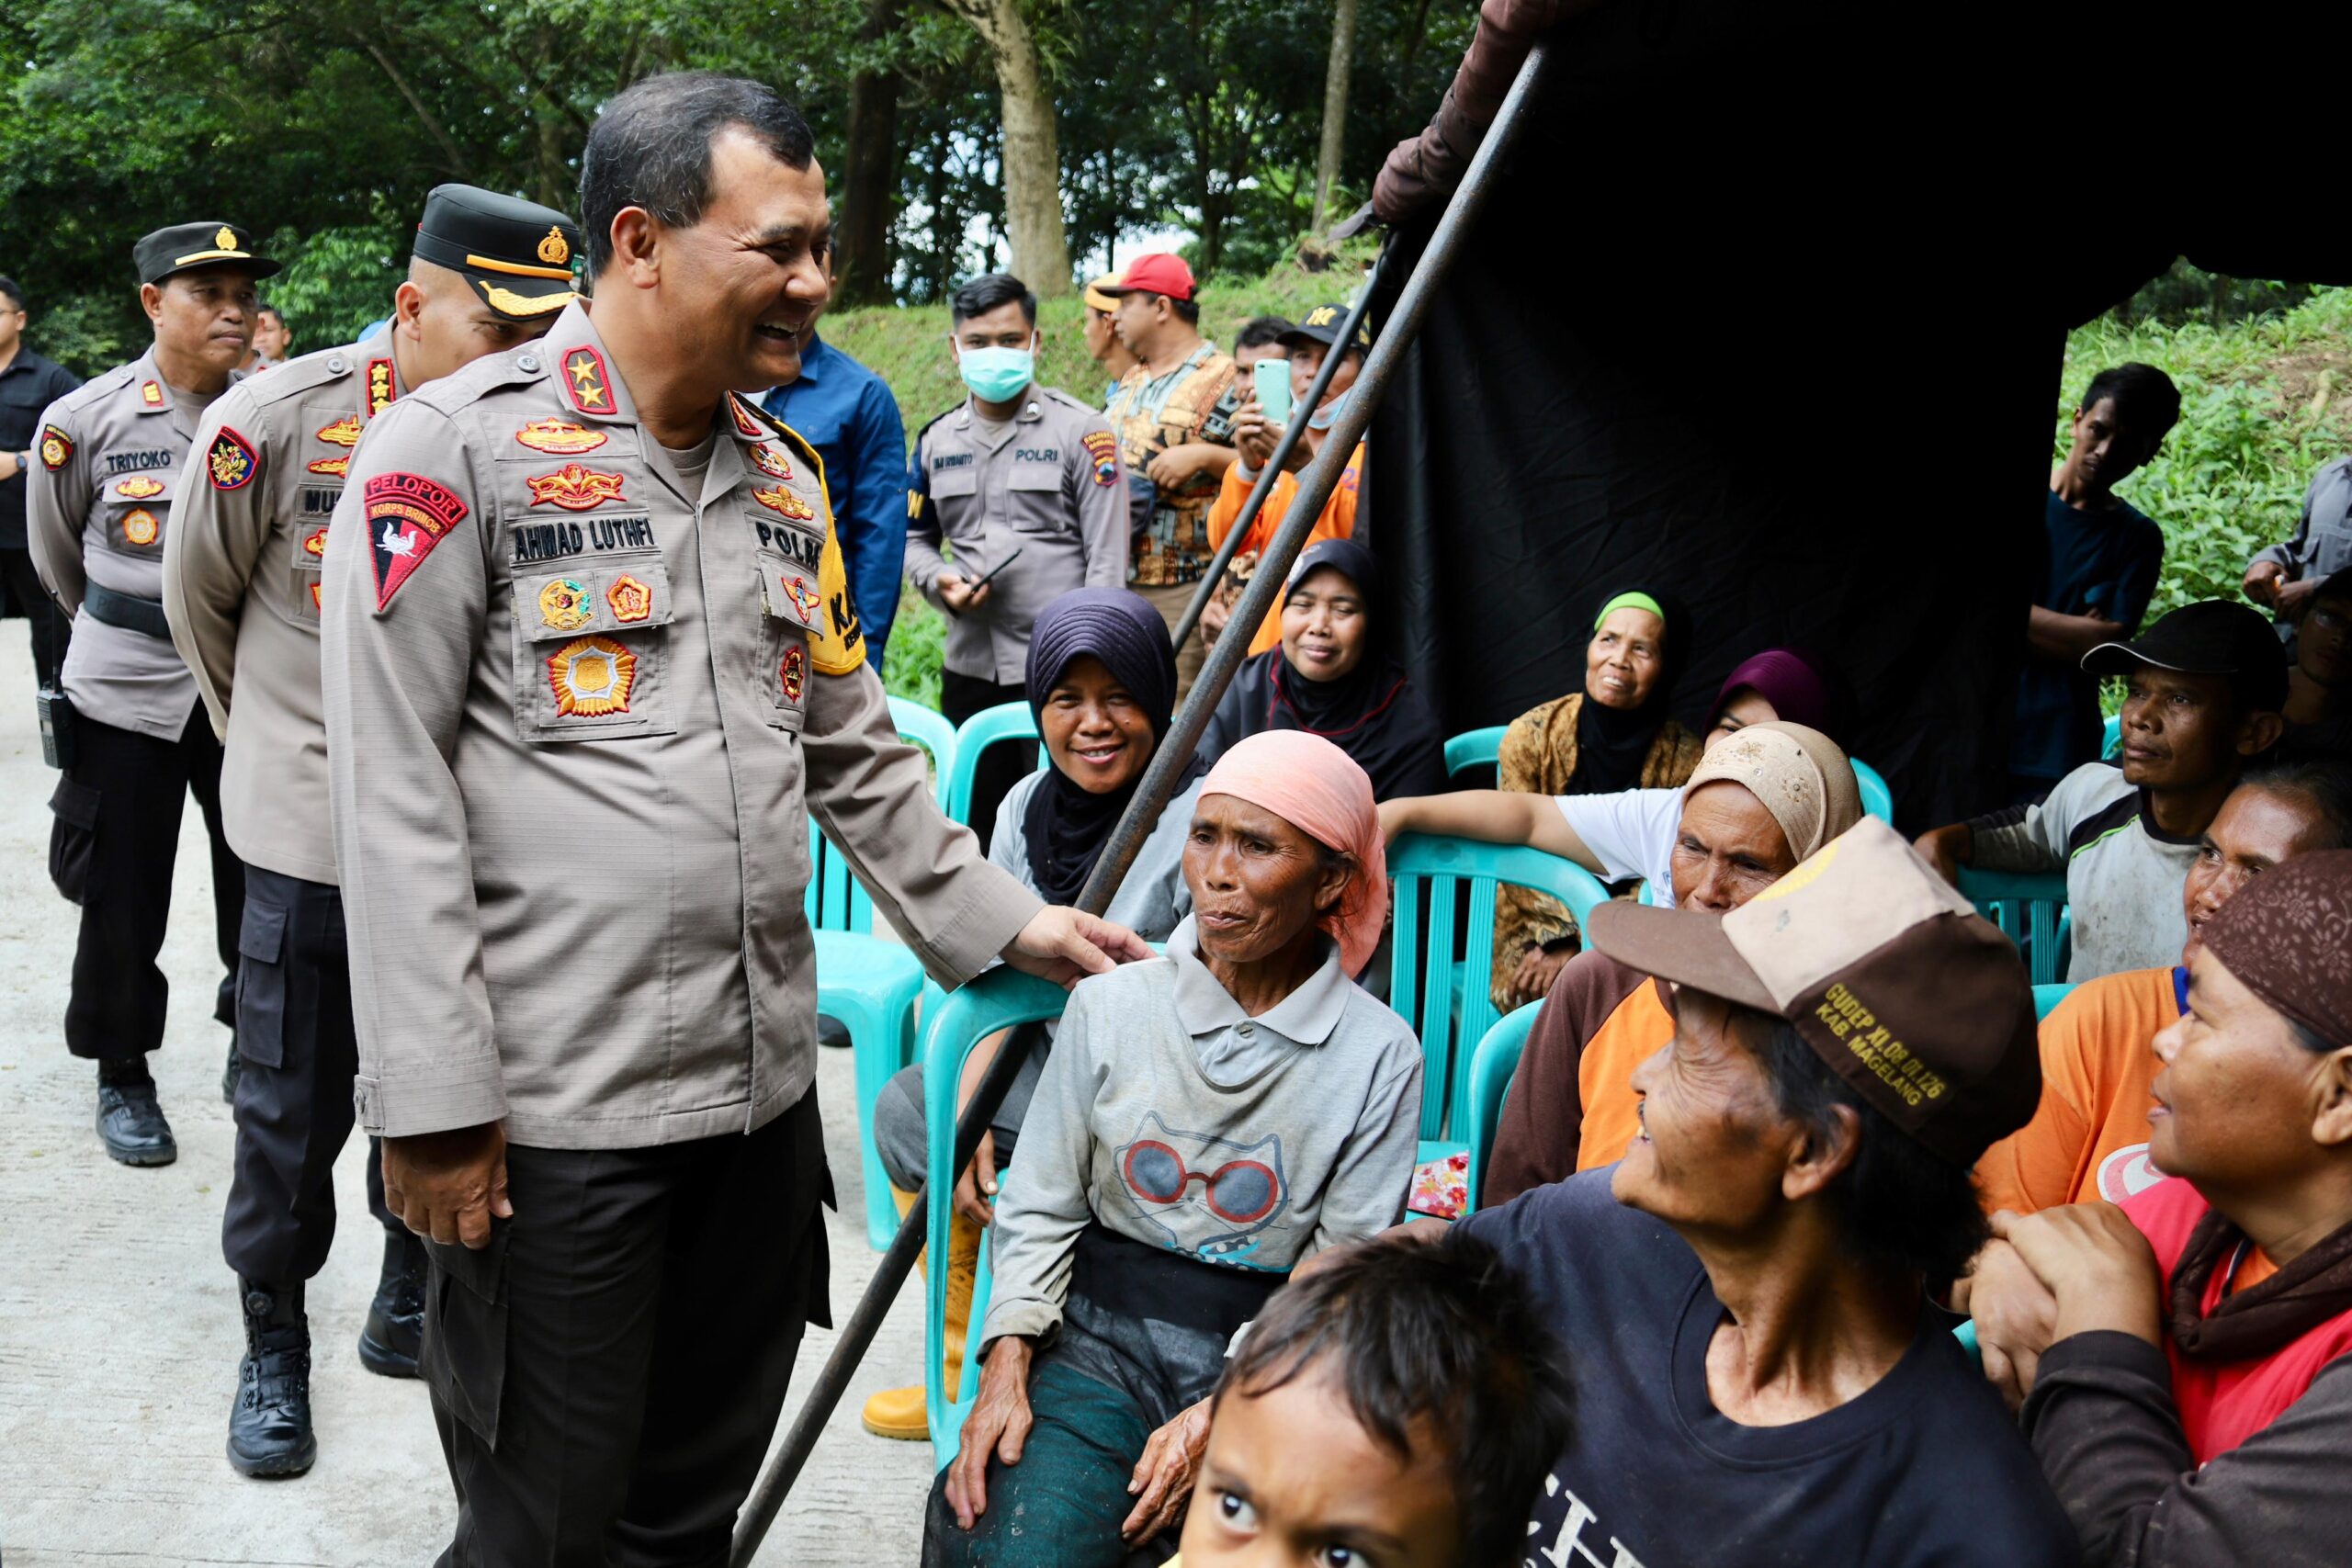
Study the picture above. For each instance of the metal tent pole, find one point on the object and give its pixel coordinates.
(1315, 486)
(1264, 484)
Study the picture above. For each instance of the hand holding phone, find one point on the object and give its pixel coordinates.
(1271, 377)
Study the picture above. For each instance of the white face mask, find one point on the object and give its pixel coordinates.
(995, 374)
(1323, 418)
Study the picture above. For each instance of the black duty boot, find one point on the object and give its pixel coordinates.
(395, 1328)
(131, 1123)
(270, 1427)
(232, 1073)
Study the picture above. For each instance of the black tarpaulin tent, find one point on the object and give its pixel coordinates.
(1769, 309)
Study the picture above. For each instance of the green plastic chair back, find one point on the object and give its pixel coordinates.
(2110, 745)
(2029, 909)
(919, 726)
(1877, 799)
(1492, 1066)
(1441, 990)
(1475, 748)
(1008, 721)
(2047, 998)
(999, 999)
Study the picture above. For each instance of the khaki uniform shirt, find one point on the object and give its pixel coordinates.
(575, 720)
(242, 587)
(110, 460)
(1047, 484)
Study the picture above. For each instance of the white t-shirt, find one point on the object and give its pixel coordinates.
(1631, 831)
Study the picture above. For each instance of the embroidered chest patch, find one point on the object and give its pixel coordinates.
(139, 526)
(574, 487)
(784, 503)
(559, 436)
(343, 432)
(591, 677)
(139, 489)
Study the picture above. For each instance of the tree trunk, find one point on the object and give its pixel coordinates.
(870, 171)
(1335, 108)
(1032, 154)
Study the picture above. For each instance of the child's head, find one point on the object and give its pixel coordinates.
(1397, 1409)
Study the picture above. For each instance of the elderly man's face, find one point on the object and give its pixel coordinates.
(1713, 1143)
(742, 285)
(1727, 849)
(1257, 881)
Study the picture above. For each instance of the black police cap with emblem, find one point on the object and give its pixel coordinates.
(516, 253)
(185, 247)
(1323, 325)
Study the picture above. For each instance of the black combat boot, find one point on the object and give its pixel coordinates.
(131, 1123)
(395, 1328)
(270, 1427)
(232, 1073)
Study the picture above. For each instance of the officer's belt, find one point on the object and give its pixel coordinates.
(128, 611)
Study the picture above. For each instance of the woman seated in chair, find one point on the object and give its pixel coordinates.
(1203, 1123)
(1102, 683)
(1762, 801)
(1619, 833)
(1333, 676)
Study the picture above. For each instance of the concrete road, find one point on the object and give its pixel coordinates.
(118, 1324)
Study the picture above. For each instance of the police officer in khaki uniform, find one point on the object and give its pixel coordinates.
(242, 590)
(589, 660)
(114, 458)
(1022, 482)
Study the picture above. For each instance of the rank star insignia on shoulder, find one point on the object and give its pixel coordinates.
(152, 394)
(586, 381)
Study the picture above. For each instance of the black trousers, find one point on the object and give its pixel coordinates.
(294, 1107)
(50, 630)
(111, 851)
(607, 1373)
(1003, 764)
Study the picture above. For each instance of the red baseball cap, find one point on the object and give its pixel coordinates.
(1162, 272)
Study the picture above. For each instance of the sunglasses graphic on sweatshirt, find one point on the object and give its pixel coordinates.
(1206, 1195)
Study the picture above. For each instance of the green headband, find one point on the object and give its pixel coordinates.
(1635, 599)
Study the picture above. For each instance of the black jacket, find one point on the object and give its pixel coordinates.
(28, 386)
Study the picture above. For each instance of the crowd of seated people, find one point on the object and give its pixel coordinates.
(1776, 1130)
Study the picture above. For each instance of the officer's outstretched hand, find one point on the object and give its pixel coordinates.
(1064, 945)
(448, 1186)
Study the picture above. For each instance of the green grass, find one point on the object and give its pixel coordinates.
(907, 346)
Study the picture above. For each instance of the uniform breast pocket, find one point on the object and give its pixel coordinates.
(136, 505)
(1034, 498)
(592, 645)
(307, 554)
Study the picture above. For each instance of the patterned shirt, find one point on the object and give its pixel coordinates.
(1195, 401)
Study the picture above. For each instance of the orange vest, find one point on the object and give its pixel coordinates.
(1605, 1075)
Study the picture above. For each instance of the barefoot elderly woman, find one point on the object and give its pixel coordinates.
(1203, 1123)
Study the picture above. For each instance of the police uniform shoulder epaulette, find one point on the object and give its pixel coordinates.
(309, 373)
(1055, 395)
(97, 387)
(936, 419)
(468, 384)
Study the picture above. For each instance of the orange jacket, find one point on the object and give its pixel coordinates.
(1338, 521)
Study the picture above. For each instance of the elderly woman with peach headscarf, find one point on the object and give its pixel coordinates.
(1205, 1123)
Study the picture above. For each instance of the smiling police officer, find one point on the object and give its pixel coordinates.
(1015, 471)
(241, 589)
(113, 458)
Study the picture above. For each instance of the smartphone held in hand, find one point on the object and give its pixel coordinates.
(1273, 379)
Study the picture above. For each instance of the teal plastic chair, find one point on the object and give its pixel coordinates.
(1442, 994)
(1000, 999)
(1492, 1066)
(2110, 746)
(2028, 908)
(929, 730)
(1009, 721)
(1877, 799)
(870, 985)
(1473, 748)
(2047, 998)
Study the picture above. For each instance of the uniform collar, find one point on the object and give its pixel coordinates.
(1306, 1016)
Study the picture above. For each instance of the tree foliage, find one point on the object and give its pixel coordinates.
(323, 123)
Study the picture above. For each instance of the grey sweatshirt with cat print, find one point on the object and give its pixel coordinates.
(1177, 1120)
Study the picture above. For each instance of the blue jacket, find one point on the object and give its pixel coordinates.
(847, 413)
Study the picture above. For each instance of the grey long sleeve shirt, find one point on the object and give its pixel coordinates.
(1177, 1120)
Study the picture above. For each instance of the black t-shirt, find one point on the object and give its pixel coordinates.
(1925, 1468)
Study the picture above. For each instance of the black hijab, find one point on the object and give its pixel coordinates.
(1066, 825)
(1371, 713)
(1613, 743)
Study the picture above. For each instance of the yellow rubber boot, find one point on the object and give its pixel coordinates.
(898, 1413)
